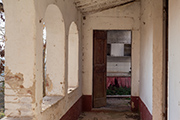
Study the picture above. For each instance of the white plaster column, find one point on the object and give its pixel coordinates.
(158, 52)
(20, 71)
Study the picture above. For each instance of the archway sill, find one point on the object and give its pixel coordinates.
(16, 118)
(49, 101)
(71, 89)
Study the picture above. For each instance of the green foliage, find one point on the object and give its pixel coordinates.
(2, 58)
(112, 90)
(2, 114)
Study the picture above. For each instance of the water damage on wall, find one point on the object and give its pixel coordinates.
(49, 84)
(15, 81)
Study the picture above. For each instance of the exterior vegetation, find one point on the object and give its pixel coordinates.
(2, 58)
(113, 90)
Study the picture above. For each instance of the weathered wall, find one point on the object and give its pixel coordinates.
(24, 50)
(174, 58)
(158, 61)
(152, 51)
(19, 71)
(146, 64)
(119, 18)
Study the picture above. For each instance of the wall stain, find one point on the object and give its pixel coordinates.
(15, 81)
(49, 84)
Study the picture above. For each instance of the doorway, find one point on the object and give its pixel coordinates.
(111, 69)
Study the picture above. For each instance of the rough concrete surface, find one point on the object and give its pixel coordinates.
(115, 109)
(109, 116)
(117, 104)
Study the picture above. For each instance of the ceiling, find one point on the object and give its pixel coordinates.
(93, 6)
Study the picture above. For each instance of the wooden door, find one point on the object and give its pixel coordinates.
(99, 68)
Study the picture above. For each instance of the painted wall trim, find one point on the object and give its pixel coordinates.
(134, 103)
(144, 112)
(74, 112)
(87, 103)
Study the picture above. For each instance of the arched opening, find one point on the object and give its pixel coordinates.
(55, 55)
(44, 58)
(73, 57)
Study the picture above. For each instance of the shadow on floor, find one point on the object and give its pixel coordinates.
(116, 109)
(109, 116)
(116, 104)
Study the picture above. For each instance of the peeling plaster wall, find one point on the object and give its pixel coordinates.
(24, 50)
(119, 18)
(174, 58)
(20, 68)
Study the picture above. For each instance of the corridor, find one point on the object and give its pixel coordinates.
(115, 109)
(56, 61)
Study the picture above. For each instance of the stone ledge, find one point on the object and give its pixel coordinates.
(13, 118)
(71, 89)
(48, 101)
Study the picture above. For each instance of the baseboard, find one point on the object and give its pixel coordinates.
(84, 104)
(134, 103)
(144, 112)
(74, 112)
(87, 103)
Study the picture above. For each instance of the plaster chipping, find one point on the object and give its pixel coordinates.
(24, 75)
(49, 85)
(15, 81)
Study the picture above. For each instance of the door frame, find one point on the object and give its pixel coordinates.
(106, 60)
